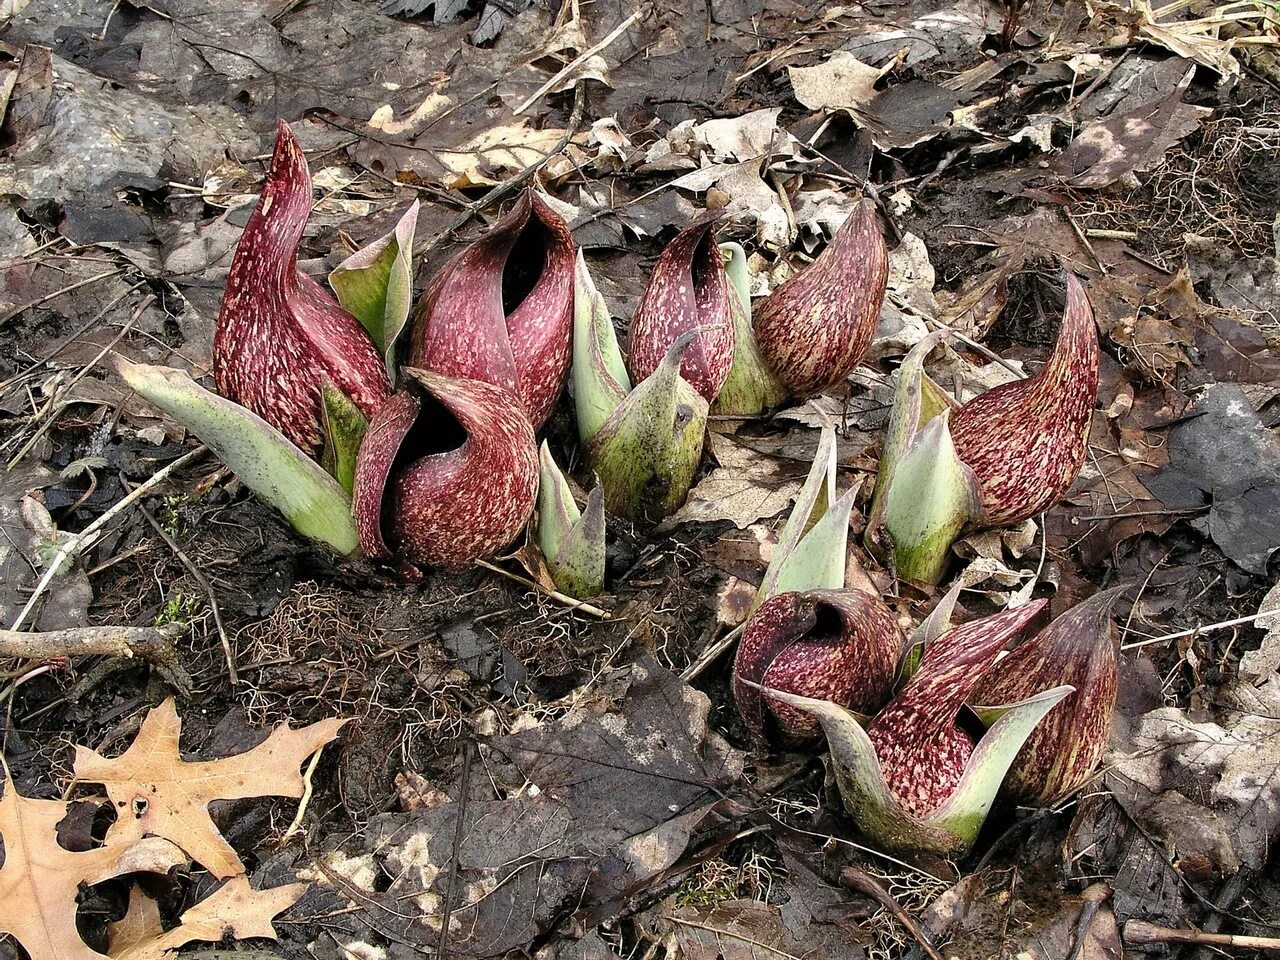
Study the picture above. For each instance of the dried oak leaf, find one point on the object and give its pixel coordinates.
(157, 793)
(234, 910)
(39, 880)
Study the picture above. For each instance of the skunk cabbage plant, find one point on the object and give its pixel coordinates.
(501, 311)
(688, 292)
(571, 540)
(1004, 456)
(836, 645)
(815, 328)
(915, 778)
(644, 443)
(280, 336)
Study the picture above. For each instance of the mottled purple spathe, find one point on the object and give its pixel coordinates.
(688, 289)
(816, 328)
(448, 491)
(835, 645)
(280, 335)
(1026, 441)
(922, 752)
(1080, 648)
(461, 327)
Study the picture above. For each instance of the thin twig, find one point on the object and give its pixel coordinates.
(556, 595)
(41, 301)
(508, 187)
(307, 789)
(460, 813)
(151, 643)
(975, 345)
(711, 654)
(1209, 628)
(81, 541)
(867, 885)
(580, 59)
(57, 401)
(1141, 932)
(204, 584)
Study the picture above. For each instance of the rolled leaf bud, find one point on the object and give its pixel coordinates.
(571, 540)
(646, 453)
(1026, 441)
(501, 311)
(812, 551)
(816, 328)
(914, 780)
(687, 292)
(280, 336)
(376, 285)
(599, 380)
(260, 456)
(751, 387)
(1081, 648)
(447, 473)
(835, 645)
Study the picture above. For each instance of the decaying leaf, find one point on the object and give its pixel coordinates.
(157, 793)
(744, 488)
(40, 880)
(234, 910)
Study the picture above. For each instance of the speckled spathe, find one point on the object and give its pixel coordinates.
(461, 329)
(922, 752)
(836, 645)
(688, 289)
(1026, 441)
(1080, 648)
(280, 335)
(445, 507)
(816, 328)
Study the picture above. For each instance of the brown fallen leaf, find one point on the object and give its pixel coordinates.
(40, 880)
(234, 910)
(157, 793)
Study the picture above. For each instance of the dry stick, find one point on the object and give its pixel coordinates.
(151, 643)
(1209, 628)
(711, 654)
(1141, 932)
(555, 595)
(86, 537)
(867, 885)
(40, 301)
(208, 590)
(580, 59)
(975, 345)
(460, 812)
(30, 370)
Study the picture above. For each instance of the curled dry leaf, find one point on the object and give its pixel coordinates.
(40, 880)
(157, 793)
(233, 910)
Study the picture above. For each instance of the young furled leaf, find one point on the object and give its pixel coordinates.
(157, 793)
(235, 909)
(40, 880)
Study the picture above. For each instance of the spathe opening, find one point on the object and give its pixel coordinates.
(525, 264)
(434, 431)
(827, 626)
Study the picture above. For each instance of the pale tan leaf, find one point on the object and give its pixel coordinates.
(157, 793)
(40, 880)
(235, 910)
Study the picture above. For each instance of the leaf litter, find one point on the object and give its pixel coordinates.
(567, 794)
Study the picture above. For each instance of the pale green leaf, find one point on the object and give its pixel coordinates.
(258, 454)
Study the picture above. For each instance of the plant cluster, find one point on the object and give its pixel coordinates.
(408, 434)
